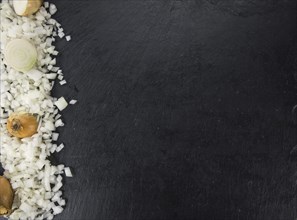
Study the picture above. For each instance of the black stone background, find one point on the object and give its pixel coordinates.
(184, 109)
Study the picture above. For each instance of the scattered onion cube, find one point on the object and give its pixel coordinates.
(68, 172)
(55, 136)
(60, 167)
(62, 202)
(68, 38)
(61, 34)
(72, 102)
(59, 123)
(61, 103)
(63, 82)
(57, 210)
(60, 147)
(52, 9)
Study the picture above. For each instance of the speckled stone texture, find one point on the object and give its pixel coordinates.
(184, 109)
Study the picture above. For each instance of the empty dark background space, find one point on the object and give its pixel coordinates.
(184, 109)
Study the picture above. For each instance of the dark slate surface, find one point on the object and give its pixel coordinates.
(184, 109)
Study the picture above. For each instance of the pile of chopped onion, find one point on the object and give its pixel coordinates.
(36, 182)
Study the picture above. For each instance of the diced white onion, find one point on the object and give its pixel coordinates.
(27, 87)
(63, 82)
(61, 103)
(72, 102)
(68, 172)
(68, 38)
(35, 74)
(60, 147)
(55, 136)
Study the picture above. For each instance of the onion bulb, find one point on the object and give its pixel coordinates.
(20, 54)
(26, 7)
(22, 125)
(6, 196)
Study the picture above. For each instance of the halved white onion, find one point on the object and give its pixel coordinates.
(20, 54)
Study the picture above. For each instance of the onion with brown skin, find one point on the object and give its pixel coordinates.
(26, 7)
(22, 125)
(6, 196)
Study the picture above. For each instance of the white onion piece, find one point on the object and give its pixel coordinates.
(20, 54)
(61, 103)
(63, 82)
(59, 148)
(72, 102)
(55, 136)
(35, 74)
(68, 172)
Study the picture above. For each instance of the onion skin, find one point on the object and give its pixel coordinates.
(31, 8)
(22, 125)
(6, 196)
